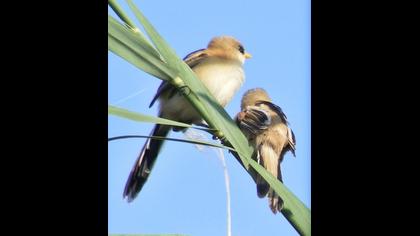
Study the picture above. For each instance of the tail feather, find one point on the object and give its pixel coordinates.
(275, 202)
(262, 187)
(144, 163)
(271, 160)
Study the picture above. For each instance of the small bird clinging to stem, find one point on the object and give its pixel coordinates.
(266, 128)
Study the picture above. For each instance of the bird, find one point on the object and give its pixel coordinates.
(265, 126)
(220, 68)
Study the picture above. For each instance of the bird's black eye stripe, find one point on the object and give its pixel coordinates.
(241, 49)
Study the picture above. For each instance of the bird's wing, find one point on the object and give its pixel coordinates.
(195, 57)
(192, 60)
(163, 87)
(253, 119)
(275, 108)
(290, 135)
(292, 140)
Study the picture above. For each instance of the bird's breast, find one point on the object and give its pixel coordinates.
(223, 78)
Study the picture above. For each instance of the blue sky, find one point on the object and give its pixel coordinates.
(185, 193)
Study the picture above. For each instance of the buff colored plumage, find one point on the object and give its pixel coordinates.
(266, 128)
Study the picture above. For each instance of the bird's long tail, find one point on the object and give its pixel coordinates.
(274, 200)
(271, 163)
(144, 163)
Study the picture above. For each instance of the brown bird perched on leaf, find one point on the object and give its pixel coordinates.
(220, 68)
(266, 128)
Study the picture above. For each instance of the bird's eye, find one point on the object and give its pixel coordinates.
(241, 49)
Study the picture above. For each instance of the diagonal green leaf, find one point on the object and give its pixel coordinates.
(142, 39)
(125, 43)
(120, 49)
(163, 48)
(294, 210)
(120, 13)
(121, 112)
(113, 110)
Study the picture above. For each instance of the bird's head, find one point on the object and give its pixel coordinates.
(251, 96)
(229, 48)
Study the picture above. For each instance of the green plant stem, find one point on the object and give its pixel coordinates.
(118, 10)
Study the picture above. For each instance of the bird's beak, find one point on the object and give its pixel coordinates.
(247, 55)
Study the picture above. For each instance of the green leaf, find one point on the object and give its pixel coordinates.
(127, 44)
(113, 110)
(163, 48)
(142, 39)
(120, 13)
(136, 37)
(294, 210)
